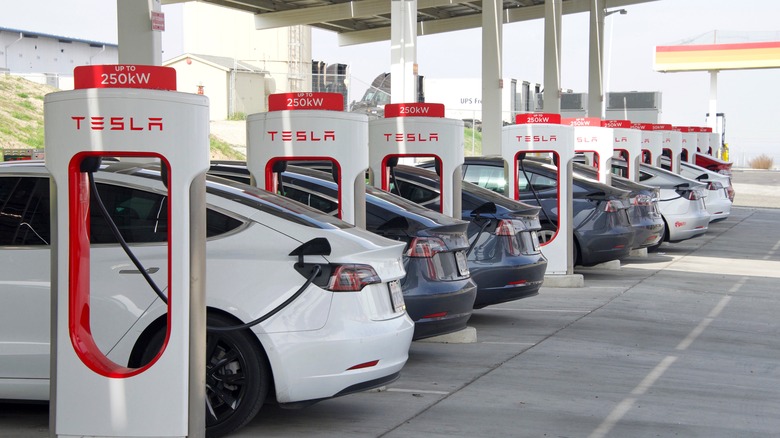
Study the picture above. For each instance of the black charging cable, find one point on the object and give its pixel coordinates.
(479, 233)
(118, 235)
(536, 196)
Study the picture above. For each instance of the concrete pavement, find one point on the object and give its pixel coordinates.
(680, 343)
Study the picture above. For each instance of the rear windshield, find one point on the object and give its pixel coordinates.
(271, 203)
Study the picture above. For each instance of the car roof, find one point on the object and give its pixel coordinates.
(431, 180)
(257, 199)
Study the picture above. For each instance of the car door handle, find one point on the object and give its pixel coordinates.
(136, 271)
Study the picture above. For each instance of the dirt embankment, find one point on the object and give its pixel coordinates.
(21, 112)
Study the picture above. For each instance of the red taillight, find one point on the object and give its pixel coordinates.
(426, 247)
(611, 207)
(505, 228)
(642, 200)
(714, 185)
(352, 278)
(694, 195)
(435, 315)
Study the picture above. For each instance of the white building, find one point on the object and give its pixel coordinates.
(196, 27)
(50, 59)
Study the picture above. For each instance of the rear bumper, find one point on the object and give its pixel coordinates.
(600, 248)
(440, 307)
(511, 278)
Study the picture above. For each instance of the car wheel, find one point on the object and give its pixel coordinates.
(237, 376)
(657, 246)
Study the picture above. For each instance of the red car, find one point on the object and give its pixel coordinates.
(714, 164)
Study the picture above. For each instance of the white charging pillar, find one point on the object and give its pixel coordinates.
(715, 144)
(543, 133)
(591, 138)
(652, 144)
(312, 126)
(671, 142)
(688, 142)
(627, 143)
(127, 111)
(703, 139)
(419, 130)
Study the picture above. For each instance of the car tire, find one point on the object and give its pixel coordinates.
(657, 246)
(546, 234)
(237, 375)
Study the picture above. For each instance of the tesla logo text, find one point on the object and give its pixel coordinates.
(621, 139)
(587, 139)
(537, 138)
(679, 224)
(434, 136)
(303, 135)
(645, 141)
(118, 123)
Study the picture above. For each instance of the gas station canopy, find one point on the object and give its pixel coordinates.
(364, 21)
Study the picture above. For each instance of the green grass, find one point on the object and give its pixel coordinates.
(237, 116)
(21, 116)
(225, 149)
(23, 95)
(27, 105)
(472, 142)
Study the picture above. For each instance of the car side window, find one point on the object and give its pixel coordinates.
(488, 177)
(142, 216)
(541, 182)
(311, 199)
(415, 193)
(24, 211)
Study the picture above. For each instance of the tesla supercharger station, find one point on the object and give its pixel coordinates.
(592, 139)
(627, 143)
(652, 143)
(543, 133)
(703, 140)
(90, 394)
(672, 145)
(688, 142)
(419, 130)
(312, 126)
(715, 144)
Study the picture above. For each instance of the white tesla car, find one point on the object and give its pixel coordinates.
(718, 195)
(348, 331)
(681, 201)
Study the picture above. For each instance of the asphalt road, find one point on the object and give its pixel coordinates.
(756, 188)
(683, 342)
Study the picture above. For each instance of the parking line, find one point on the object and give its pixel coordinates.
(509, 343)
(417, 391)
(624, 406)
(772, 251)
(541, 310)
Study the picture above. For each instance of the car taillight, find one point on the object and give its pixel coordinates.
(643, 200)
(505, 228)
(352, 278)
(612, 206)
(426, 247)
(693, 195)
(714, 185)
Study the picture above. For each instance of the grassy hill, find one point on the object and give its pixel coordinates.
(21, 118)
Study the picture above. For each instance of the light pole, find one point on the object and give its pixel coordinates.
(608, 72)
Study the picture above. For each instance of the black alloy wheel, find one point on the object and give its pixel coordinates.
(237, 375)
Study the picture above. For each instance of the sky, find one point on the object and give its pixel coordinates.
(749, 98)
